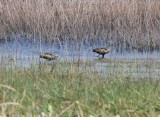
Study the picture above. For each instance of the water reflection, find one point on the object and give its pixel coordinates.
(25, 52)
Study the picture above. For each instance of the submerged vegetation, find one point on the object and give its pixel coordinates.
(131, 24)
(76, 89)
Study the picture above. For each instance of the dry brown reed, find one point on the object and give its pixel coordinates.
(129, 23)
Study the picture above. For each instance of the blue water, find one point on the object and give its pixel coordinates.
(25, 52)
(32, 48)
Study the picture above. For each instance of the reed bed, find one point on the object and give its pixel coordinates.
(132, 24)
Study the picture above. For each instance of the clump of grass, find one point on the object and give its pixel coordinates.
(73, 92)
(126, 23)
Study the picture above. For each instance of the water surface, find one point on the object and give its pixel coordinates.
(25, 52)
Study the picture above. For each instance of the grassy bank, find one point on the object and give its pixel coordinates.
(70, 91)
(127, 23)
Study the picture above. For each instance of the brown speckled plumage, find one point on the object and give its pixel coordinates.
(49, 56)
(102, 51)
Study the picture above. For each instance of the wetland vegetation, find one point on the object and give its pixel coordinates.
(79, 84)
(80, 88)
(131, 24)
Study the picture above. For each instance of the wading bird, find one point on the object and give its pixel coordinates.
(49, 56)
(102, 51)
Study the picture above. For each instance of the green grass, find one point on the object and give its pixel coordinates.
(71, 91)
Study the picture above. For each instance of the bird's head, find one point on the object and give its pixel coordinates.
(94, 50)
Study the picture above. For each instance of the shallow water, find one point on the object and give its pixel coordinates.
(25, 52)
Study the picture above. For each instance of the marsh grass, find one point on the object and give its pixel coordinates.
(76, 88)
(130, 24)
(71, 91)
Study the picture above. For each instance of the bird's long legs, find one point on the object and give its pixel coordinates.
(102, 55)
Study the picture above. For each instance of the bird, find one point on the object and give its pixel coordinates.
(102, 51)
(49, 56)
